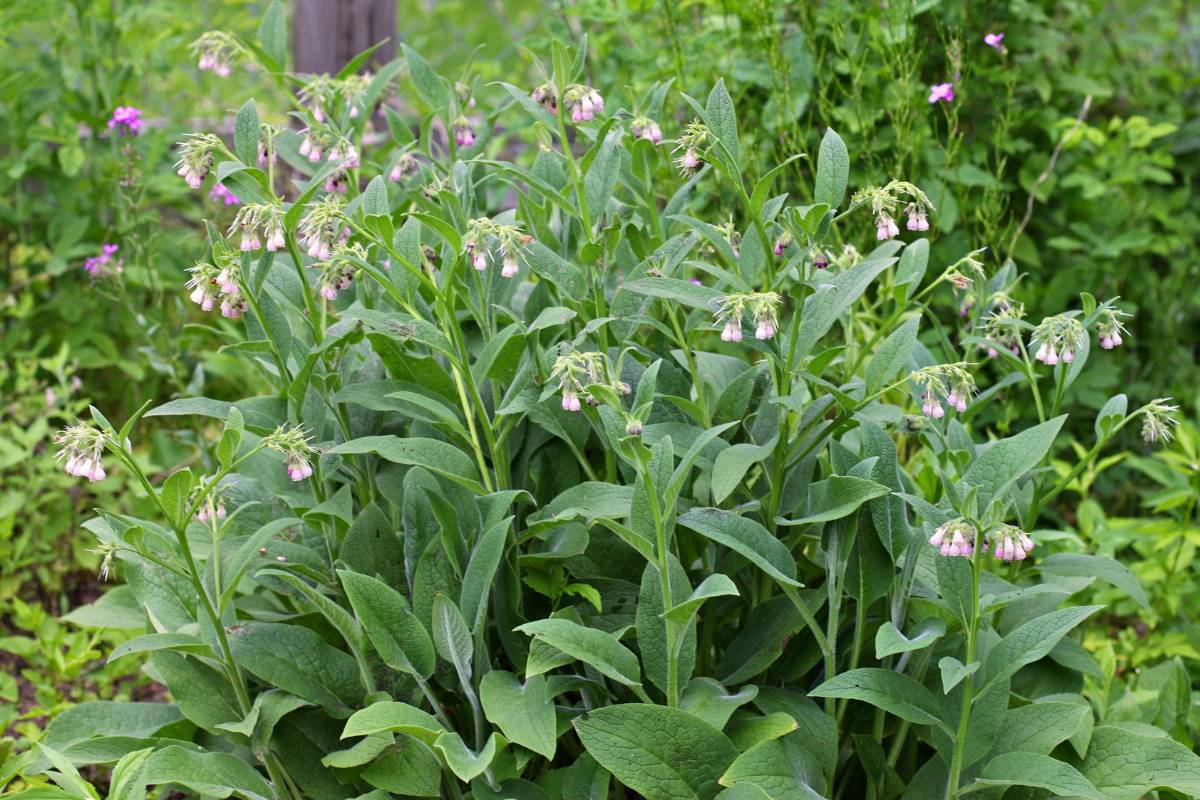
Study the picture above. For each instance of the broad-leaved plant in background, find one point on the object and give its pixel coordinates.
(562, 489)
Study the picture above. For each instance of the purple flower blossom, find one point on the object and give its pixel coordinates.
(941, 93)
(220, 193)
(103, 264)
(126, 120)
(994, 41)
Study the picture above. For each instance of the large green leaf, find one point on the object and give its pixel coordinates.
(833, 297)
(746, 537)
(523, 711)
(1087, 565)
(661, 753)
(436, 456)
(299, 661)
(1043, 772)
(836, 497)
(598, 648)
(780, 767)
(1126, 762)
(387, 715)
(398, 636)
(892, 691)
(1005, 461)
(1031, 641)
(833, 170)
(207, 774)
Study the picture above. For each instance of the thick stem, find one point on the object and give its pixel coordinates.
(968, 684)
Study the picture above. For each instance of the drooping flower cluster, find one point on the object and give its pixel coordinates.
(210, 285)
(344, 155)
(104, 264)
(886, 203)
(582, 102)
(950, 381)
(212, 508)
(81, 449)
(1058, 338)
(317, 95)
(646, 128)
(695, 137)
(575, 371)
(763, 308)
(292, 444)
(486, 238)
(546, 96)
(195, 157)
(257, 222)
(1160, 417)
(782, 242)
(406, 164)
(1010, 543)
(323, 226)
(312, 146)
(126, 120)
(266, 144)
(339, 269)
(955, 538)
(464, 134)
(214, 51)
(353, 90)
(1111, 328)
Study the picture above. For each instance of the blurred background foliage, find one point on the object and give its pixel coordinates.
(1103, 201)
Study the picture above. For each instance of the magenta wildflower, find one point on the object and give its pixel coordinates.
(994, 41)
(221, 194)
(126, 120)
(103, 264)
(941, 93)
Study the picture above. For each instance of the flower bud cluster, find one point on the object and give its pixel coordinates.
(1010, 543)
(486, 239)
(322, 226)
(546, 96)
(257, 222)
(214, 51)
(1057, 338)
(583, 103)
(293, 444)
(955, 538)
(195, 157)
(339, 269)
(646, 128)
(763, 308)
(693, 141)
(81, 449)
(212, 508)
(950, 381)
(886, 203)
(1111, 329)
(575, 371)
(210, 285)
(1160, 417)
(405, 164)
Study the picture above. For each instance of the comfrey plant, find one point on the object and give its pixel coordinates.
(561, 529)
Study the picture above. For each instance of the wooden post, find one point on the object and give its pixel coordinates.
(328, 33)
